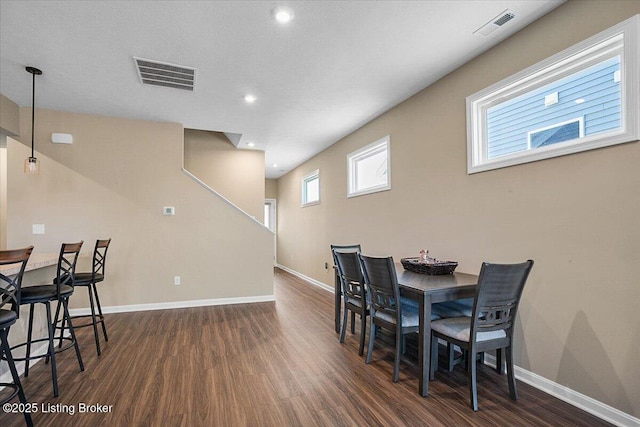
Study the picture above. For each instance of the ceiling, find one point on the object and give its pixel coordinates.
(335, 67)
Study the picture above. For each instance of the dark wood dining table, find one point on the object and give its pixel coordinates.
(426, 289)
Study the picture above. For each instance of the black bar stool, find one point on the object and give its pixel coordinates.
(10, 288)
(59, 291)
(89, 280)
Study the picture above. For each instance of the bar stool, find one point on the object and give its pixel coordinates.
(10, 288)
(89, 280)
(59, 291)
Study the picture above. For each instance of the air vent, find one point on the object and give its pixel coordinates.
(504, 19)
(495, 23)
(164, 74)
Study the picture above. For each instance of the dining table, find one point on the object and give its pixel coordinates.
(426, 289)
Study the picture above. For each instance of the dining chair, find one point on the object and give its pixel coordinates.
(388, 309)
(356, 248)
(490, 326)
(354, 294)
(59, 291)
(90, 280)
(10, 289)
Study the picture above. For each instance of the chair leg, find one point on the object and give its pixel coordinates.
(363, 331)
(450, 355)
(55, 323)
(343, 329)
(398, 351)
(472, 379)
(104, 328)
(353, 322)
(433, 363)
(93, 319)
(29, 335)
(52, 352)
(372, 337)
(404, 344)
(511, 374)
(65, 303)
(4, 342)
(499, 362)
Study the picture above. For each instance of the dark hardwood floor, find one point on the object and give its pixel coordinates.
(266, 364)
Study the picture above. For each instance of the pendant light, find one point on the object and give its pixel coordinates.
(31, 164)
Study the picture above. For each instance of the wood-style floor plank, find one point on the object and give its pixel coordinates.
(267, 364)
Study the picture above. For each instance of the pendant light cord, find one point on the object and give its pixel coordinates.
(33, 111)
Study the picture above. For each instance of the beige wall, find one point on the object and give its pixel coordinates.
(9, 125)
(114, 181)
(9, 116)
(271, 188)
(237, 175)
(576, 216)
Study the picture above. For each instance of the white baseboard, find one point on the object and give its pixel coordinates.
(175, 304)
(579, 400)
(307, 278)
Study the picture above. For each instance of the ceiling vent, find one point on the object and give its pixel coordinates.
(495, 23)
(164, 74)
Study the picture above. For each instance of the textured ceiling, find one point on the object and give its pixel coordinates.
(335, 67)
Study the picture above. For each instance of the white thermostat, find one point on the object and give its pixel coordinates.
(169, 210)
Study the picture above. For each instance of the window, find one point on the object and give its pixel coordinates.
(368, 169)
(311, 189)
(583, 98)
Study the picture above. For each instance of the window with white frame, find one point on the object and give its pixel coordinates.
(311, 188)
(368, 169)
(583, 98)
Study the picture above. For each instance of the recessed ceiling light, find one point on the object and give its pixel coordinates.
(251, 144)
(282, 14)
(250, 99)
(580, 100)
(275, 165)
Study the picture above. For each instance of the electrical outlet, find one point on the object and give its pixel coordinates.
(177, 280)
(326, 265)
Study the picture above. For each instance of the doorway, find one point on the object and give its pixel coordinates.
(271, 221)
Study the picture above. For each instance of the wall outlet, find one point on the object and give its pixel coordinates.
(37, 229)
(326, 265)
(177, 281)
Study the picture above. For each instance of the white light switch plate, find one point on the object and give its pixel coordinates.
(37, 228)
(169, 210)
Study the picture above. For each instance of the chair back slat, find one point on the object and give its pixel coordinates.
(10, 284)
(382, 283)
(344, 249)
(498, 296)
(99, 258)
(67, 265)
(350, 276)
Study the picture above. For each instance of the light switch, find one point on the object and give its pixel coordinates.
(37, 228)
(168, 210)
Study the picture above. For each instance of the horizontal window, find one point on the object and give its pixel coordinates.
(368, 169)
(583, 98)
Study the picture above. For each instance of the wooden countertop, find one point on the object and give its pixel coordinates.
(36, 260)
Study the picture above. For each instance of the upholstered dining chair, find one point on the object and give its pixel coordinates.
(388, 309)
(90, 280)
(59, 291)
(10, 288)
(491, 324)
(355, 248)
(354, 294)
